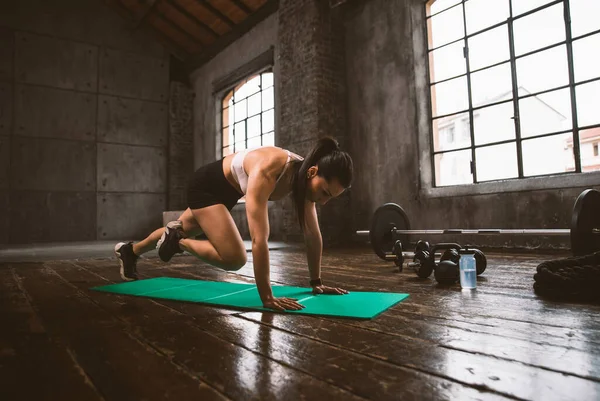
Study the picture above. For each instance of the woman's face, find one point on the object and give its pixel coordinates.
(319, 190)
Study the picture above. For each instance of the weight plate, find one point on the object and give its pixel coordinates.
(586, 217)
(385, 218)
(480, 261)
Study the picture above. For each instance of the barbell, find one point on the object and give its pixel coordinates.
(390, 223)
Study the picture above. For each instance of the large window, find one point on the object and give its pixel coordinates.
(248, 114)
(515, 88)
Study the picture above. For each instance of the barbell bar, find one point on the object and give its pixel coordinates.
(390, 222)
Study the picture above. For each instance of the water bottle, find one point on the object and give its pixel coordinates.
(468, 269)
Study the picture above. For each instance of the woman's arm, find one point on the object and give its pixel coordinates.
(312, 240)
(261, 184)
(314, 249)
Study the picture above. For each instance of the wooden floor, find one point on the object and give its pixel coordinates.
(61, 341)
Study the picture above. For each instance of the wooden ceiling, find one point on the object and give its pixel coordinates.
(194, 30)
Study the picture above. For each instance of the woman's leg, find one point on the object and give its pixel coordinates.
(224, 247)
(128, 253)
(190, 227)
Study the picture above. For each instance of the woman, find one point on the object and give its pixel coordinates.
(263, 174)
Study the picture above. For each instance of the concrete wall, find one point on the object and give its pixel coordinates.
(388, 131)
(83, 124)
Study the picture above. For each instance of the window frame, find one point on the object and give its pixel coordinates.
(231, 91)
(425, 117)
(229, 81)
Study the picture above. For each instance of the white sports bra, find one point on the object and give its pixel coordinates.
(240, 175)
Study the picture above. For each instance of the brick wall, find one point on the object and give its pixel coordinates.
(312, 98)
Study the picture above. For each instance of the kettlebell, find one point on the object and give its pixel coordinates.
(447, 272)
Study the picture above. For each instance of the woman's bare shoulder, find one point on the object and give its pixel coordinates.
(267, 160)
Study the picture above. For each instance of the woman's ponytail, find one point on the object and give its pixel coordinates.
(331, 161)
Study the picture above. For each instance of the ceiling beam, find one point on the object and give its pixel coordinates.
(143, 12)
(197, 60)
(179, 29)
(192, 18)
(242, 6)
(216, 12)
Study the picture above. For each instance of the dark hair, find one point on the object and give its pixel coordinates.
(331, 162)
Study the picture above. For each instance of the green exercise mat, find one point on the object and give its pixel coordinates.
(361, 305)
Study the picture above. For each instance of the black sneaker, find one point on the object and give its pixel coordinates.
(168, 244)
(127, 260)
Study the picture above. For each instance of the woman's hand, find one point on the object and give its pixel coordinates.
(323, 289)
(281, 304)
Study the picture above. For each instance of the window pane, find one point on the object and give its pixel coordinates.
(451, 132)
(254, 105)
(453, 168)
(539, 29)
(589, 142)
(268, 121)
(522, 6)
(542, 114)
(227, 150)
(439, 5)
(239, 132)
(254, 142)
(585, 52)
(250, 87)
(496, 162)
(268, 139)
(584, 16)
(449, 97)
(240, 110)
(267, 99)
(494, 123)
(588, 99)
(485, 13)
(267, 80)
(446, 27)
(253, 126)
(545, 70)
(489, 48)
(547, 155)
(447, 62)
(239, 146)
(491, 85)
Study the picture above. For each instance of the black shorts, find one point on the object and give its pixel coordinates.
(208, 186)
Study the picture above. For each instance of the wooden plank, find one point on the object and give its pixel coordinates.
(117, 362)
(195, 8)
(205, 28)
(242, 28)
(181, 19)
(24, 341)
(242, 6)
(416, 310)
(143, 12)
(168, 30)
(386, 381)
(217, 12)
(505, 377)
(238, 372)
(424, 299)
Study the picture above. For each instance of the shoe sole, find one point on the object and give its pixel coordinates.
(122, 270)
(163, 237)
